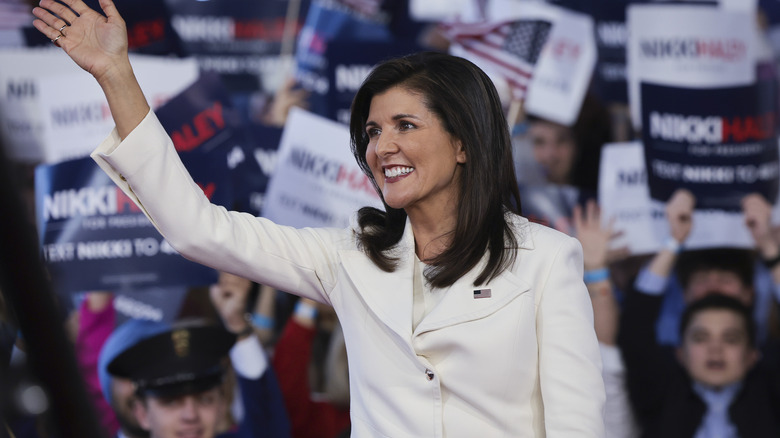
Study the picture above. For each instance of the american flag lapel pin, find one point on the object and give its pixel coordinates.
(481, 293)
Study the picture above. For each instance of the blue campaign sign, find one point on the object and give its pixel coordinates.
(326, 22)
(149, 29)
(719, 143)
(213, 142)
(238, 39)
(349, 63)
(263, 152)
(93, 237)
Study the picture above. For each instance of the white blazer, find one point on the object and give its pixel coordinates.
(522, 363)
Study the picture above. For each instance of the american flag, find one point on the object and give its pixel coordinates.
(482, 293)
(509, 48)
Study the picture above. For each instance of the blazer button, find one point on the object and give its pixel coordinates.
(429, 375)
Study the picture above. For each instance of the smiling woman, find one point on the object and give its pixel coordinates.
(460, 317)
(440, 116)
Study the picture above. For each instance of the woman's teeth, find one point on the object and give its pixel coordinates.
(397, 171)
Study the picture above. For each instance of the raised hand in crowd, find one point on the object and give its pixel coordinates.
(679, 215)
(595, 240)
(286, 97)
(229, 297)
(758, 218)
(263, 316)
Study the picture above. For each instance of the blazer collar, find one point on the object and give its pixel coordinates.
(388, 295)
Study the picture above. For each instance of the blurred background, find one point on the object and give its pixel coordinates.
(615, 101)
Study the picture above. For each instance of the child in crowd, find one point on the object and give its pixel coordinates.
(714, 385)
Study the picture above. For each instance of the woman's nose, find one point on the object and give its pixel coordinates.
(386, 144)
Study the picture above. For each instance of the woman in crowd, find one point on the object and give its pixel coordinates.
(460, 317)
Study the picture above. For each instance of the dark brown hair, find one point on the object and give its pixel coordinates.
(718, 301)
(467, 104)
(738, 261)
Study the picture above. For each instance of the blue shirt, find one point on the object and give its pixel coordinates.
(716, 422)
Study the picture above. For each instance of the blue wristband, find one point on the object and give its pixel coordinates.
(596, 275)
(260, 321)
(673, 245)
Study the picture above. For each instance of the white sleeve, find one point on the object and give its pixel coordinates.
(570, 363)
(146, 166)
(618, 416)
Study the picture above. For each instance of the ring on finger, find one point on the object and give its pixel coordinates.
(54, 41)
(63, 27)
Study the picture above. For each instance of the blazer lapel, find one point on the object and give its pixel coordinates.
(460, 303)
(463, 301)
(388, 295)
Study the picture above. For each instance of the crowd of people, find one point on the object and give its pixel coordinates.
(686, 341)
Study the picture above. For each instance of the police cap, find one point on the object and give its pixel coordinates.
(184, 360)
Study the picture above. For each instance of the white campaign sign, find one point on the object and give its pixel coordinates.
(564, 69)
(317, 182)
(443, 10)
(51, 110)
(688, 46)
(625, 198)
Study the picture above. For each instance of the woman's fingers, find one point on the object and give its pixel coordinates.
(50, 20)
(109, 9)
(58, 9)
(51, 33)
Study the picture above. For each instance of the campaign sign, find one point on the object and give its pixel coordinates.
(51, 110)
(624, 198)
(445, 10)
(317, 182)
(610, 76)
(212, 141)
(93, 237)
(692, 46)
(719, 143)
(149, 29)
(328, 21)
(264, 150)
(161, 304)
(563, 71)
(348, 65)
(240, 40)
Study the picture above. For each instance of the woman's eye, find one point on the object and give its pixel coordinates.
(372, 132)
(406, 125)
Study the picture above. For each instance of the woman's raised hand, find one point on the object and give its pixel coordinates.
(97, 43)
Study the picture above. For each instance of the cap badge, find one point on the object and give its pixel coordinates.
(181, 342)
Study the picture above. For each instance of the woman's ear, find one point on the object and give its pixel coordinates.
(460, 154)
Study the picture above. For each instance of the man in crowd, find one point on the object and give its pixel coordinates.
(178, 376)
(261, 411)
